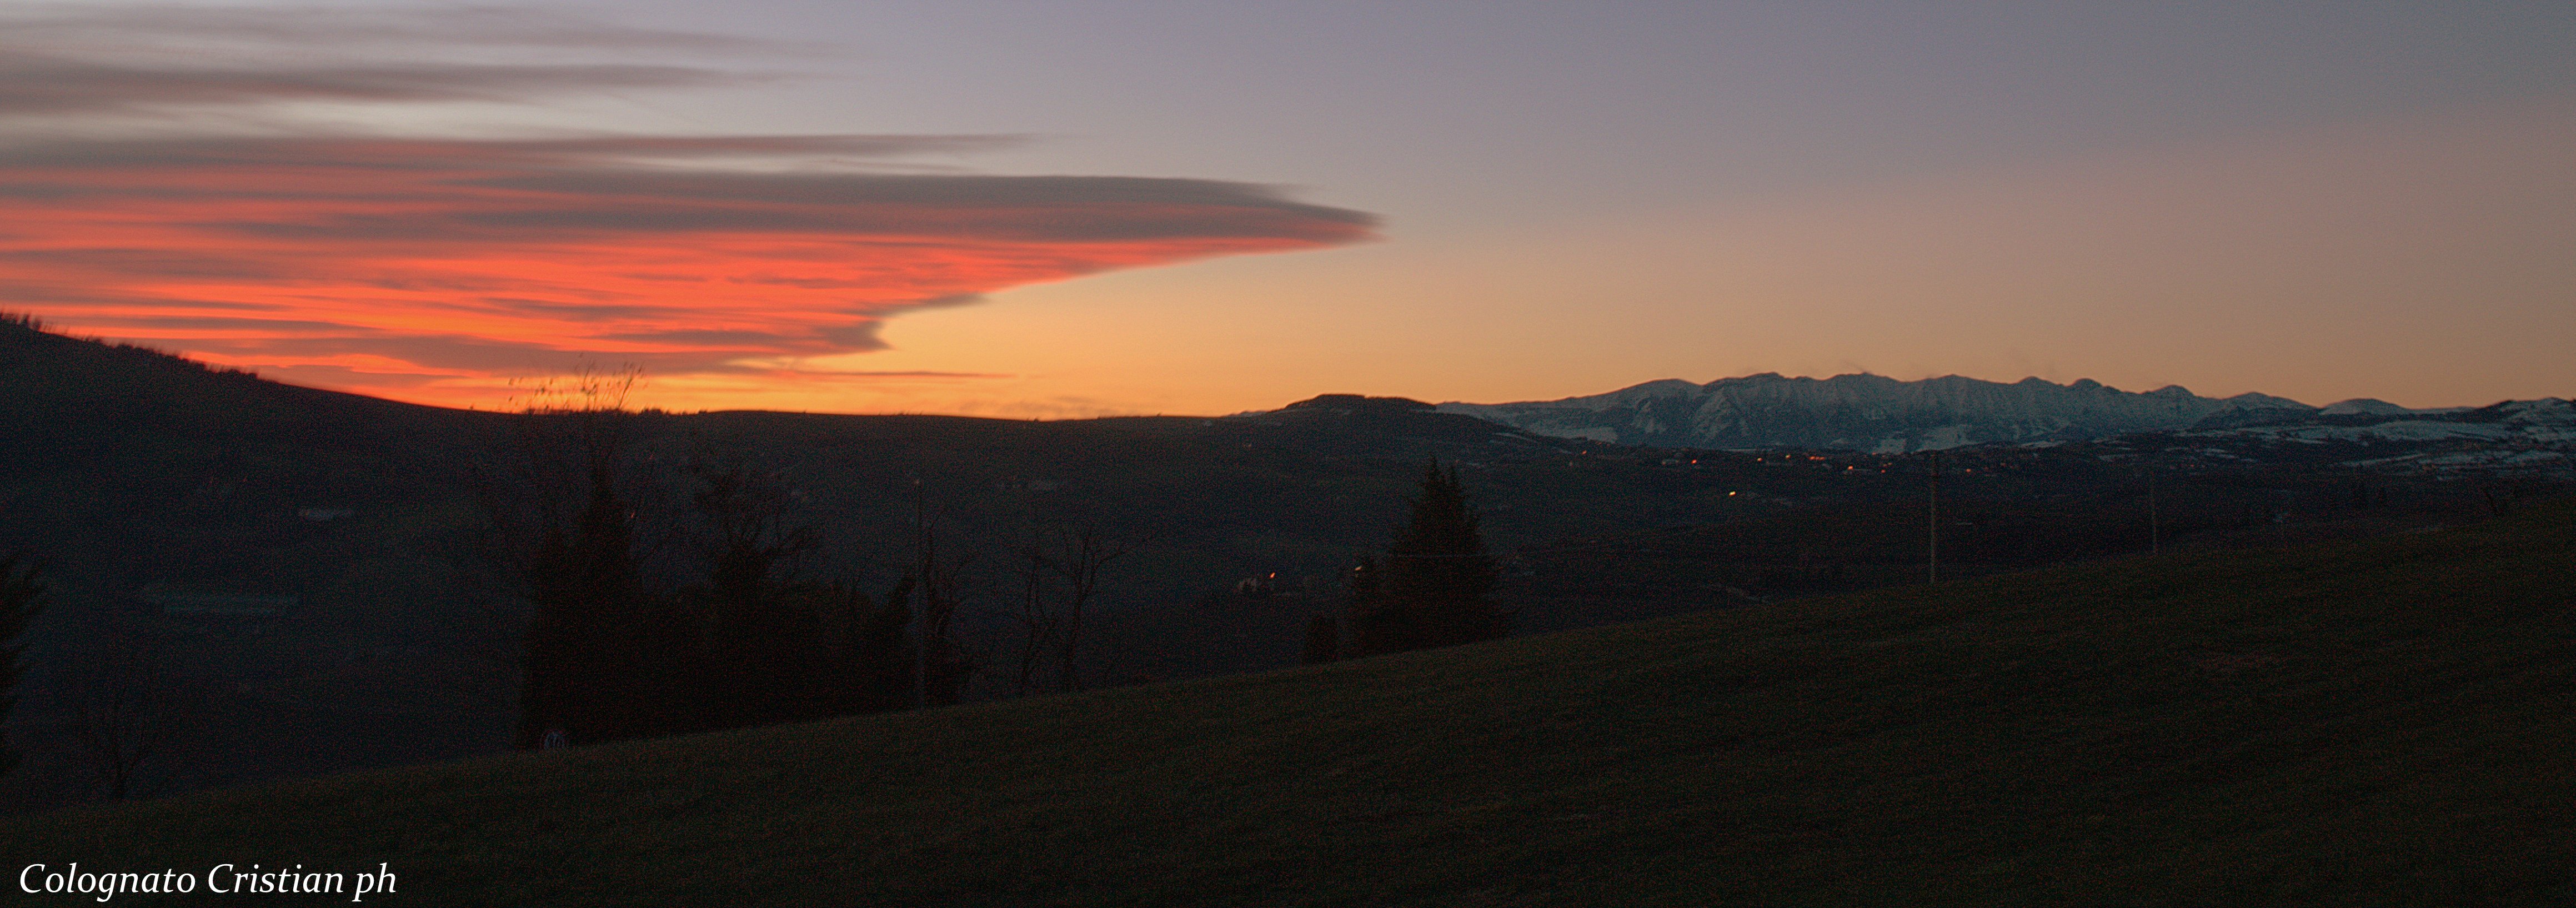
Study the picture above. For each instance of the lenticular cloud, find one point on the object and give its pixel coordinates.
(420, 267)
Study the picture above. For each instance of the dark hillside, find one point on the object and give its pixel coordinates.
(102, 442)
(313, 568)
(2355, 723)
(164, 495)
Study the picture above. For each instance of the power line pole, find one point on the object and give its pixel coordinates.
(1932, 563)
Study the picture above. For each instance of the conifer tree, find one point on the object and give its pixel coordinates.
(584, 652)
(588, 675)
(1436, 587)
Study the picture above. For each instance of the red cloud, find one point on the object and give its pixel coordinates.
(421, 268)
(403, 266)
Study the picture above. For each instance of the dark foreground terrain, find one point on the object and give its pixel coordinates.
(319, 582)
(2373, 722)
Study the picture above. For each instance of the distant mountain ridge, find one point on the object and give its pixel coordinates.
(1877, 413)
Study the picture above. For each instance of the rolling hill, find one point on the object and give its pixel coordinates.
(2359, 723)
(315, 570)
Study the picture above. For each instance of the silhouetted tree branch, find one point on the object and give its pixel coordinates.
(125, 709)
(1060, 579)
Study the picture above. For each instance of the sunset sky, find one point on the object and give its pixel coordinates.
(1067, 208)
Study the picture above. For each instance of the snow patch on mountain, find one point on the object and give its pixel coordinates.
(1869, 412)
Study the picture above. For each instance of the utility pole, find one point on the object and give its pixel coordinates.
(1932, 564)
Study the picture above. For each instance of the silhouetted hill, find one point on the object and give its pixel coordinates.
(2379, 722)
(153, 485)
(318, 569)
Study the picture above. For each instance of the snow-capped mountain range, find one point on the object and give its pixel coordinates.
(1881, 414)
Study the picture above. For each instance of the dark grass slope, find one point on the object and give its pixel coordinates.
(2384, 722)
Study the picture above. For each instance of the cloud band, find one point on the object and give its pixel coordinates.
(423, 266)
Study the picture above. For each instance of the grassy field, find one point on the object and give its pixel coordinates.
(2382, 722)
(131, 473)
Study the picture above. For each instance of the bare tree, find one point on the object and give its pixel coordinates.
(1085, 553)
(1060, 577)
(1038, 619)
(945, 660)
(126, 710)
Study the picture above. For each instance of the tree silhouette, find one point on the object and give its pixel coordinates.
(586, 642)
(1059, 581)
(882, 675)
(590, 672)
(764, 660)
(1436, 585)
(127, 709)
(944, 662)
(1373, 623)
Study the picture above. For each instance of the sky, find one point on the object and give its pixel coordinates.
(1075, 208)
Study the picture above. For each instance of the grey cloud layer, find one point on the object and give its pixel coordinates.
(62, 61)
(150, 230)
(40, 84)
(94, 27)
(555, 189)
